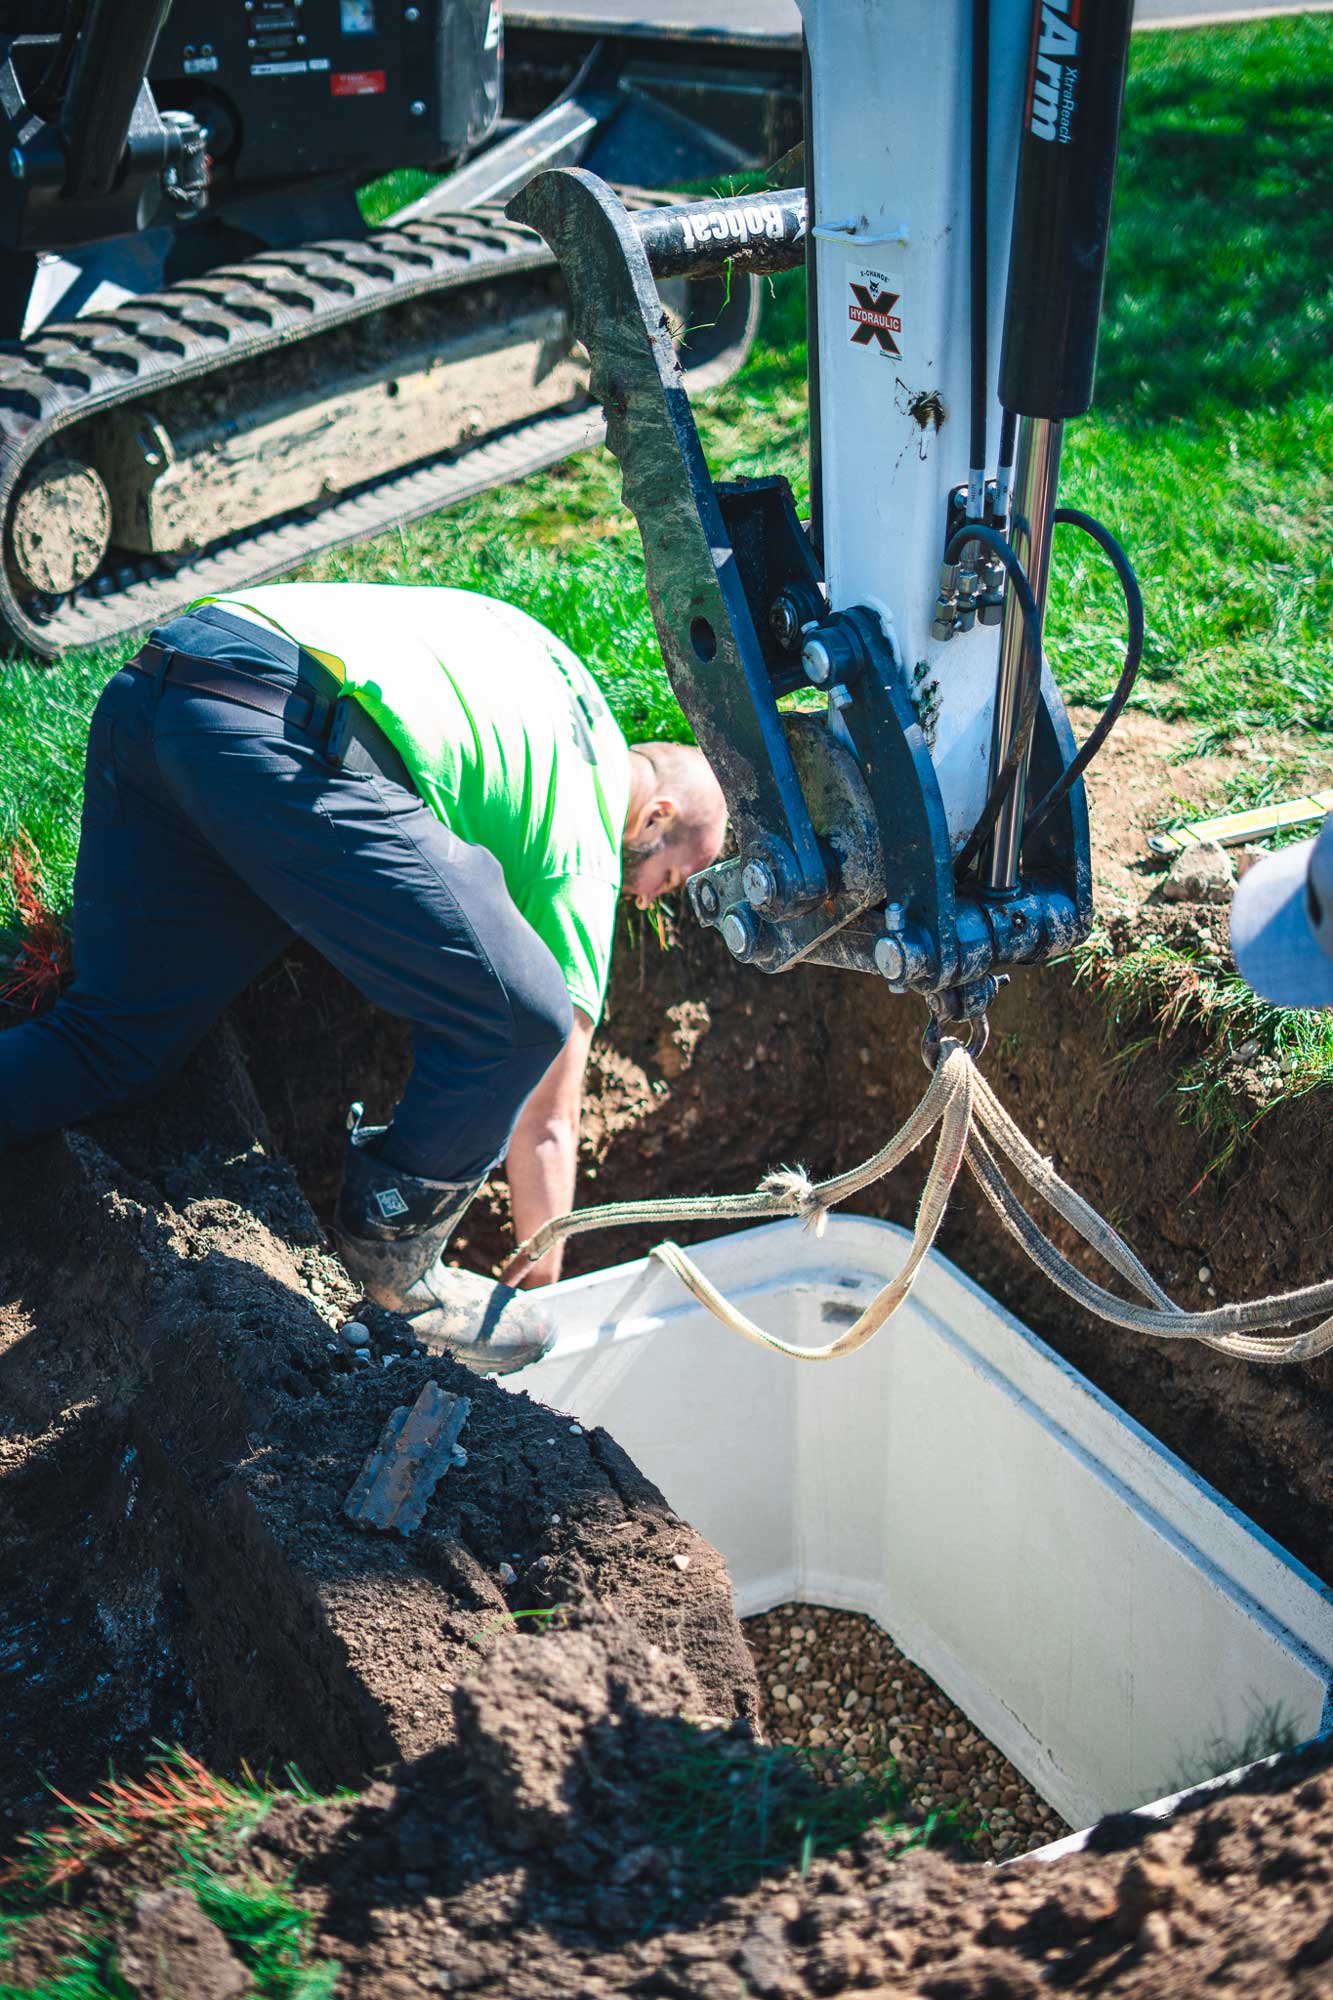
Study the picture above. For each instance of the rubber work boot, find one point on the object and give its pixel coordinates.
(391, 1229)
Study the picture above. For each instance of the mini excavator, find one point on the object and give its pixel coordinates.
(214, 370)
(928, 823)
(211, 368)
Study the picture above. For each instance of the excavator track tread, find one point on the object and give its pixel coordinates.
(69, 373)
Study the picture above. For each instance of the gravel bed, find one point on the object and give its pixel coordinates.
(832, 1681)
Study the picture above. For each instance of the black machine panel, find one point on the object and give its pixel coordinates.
(286, 88)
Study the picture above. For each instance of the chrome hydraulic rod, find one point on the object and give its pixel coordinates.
(1035, 479)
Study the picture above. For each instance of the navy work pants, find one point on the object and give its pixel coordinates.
(213, 834)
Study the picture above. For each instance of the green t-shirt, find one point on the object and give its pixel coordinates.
(505, 733)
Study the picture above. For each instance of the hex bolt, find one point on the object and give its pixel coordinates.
(840, 697)
(945, 621)
(834, 652)
(417, 108)
(902, 956)
(817, 662)
(990, 598)
(759, 881)
(891, 960)
(706, 899)
(740, 932)
(967, 597)
(895, 916)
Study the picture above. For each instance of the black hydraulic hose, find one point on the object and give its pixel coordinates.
(980, 140)
(1073, 517)
(1004, 466)
(970, 533)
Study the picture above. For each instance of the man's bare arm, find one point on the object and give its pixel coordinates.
(543, 1154)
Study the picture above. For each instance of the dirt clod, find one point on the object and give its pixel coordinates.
(171, 1951)
(1200, 874)
(549, 1735)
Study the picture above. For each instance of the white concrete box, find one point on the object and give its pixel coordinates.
(1110, 1622)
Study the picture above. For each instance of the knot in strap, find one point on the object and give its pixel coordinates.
(793, 1187)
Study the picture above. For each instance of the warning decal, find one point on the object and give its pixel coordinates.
(874, 317)
(357, 83)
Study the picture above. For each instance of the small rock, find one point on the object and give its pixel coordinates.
(1154, 1933)
(1200, 874)
(681, 1562)
(356, 1333)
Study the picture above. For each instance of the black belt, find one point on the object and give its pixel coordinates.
(346, 734)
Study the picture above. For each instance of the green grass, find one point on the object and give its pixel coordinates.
(722, 1810)
(1210, 450)
(203, 1820)
(1218, 1031)
(730, 1811)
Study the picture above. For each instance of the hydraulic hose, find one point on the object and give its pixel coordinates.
(1004, 467)
(1073, 517)
(1026, 713)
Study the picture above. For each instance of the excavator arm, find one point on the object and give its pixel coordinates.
(930, 824)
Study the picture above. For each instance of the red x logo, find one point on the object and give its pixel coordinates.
(875, 318)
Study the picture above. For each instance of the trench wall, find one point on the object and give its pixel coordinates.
(705, 1074)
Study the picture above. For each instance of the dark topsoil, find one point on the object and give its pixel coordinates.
(178, 1426)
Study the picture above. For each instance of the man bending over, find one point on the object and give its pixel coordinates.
(427, 786)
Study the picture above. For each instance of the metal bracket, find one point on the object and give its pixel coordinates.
(712, 650)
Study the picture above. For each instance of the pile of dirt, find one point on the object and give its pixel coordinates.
(179, 1426)
(531, 1858)
(179, 1429)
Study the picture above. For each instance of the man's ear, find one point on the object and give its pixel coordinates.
(661, 816)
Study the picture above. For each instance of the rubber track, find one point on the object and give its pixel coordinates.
(71, 372)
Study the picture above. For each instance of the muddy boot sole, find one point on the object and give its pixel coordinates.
(489, 1327)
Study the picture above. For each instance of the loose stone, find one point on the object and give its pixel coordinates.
(868, 1706)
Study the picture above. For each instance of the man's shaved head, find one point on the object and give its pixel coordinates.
(677, 819)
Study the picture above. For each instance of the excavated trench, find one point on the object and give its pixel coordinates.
(179, 1420)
